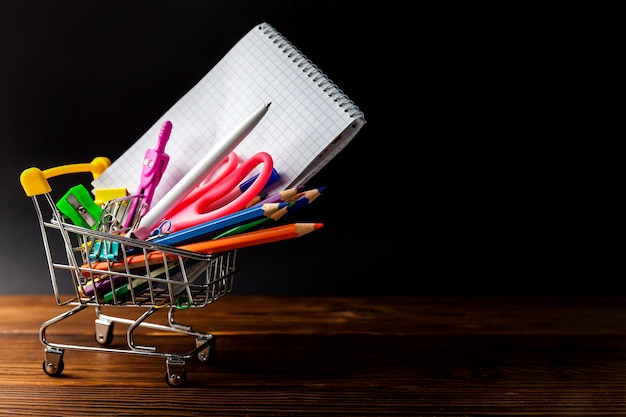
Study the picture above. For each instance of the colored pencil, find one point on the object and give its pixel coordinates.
(134, 262)
(205, 230)
(290, 194)
(197, 174)
(306, 198)
(210, 247)
(257, 237)
(255, 200)
(240, 189)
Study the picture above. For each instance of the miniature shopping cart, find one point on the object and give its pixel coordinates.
(109, 270)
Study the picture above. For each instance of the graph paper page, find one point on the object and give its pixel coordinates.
(299, 131)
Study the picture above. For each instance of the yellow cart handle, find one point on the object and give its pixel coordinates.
(35, 181)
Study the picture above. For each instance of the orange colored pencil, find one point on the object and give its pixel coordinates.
(209, 247)
(257, 237)
(132, 261)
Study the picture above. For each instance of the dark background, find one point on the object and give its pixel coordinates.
(477, 171)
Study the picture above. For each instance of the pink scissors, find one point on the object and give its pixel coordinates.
(200, 206)
(154, 163)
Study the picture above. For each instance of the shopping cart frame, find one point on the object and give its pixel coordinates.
(159, 278)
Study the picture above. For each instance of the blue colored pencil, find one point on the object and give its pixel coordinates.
(205, 230)
(305, 199)
(241, 188)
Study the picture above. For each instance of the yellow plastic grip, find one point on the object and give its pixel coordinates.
(35, 181)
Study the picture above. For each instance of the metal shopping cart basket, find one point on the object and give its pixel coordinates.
(110, 270)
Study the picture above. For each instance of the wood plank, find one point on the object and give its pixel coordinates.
(334, 356)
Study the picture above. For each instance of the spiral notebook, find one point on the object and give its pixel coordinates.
(309, 122)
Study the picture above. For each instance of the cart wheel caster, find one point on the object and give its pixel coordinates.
(53, 369)
(53, 364)
(209, 353)
(175, 376)
(176, 379)
(104, 331)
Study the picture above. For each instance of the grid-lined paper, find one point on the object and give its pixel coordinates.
(304, 128)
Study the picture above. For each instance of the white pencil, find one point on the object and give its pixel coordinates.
(196, 175)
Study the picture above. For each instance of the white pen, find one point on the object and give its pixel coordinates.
(196, 175)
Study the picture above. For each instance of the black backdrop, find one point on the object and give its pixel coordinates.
(461, 182)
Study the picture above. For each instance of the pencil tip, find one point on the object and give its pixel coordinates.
(268, 105)
(304, 228)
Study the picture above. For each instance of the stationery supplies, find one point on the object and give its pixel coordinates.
(258, 237)
(237, 191)
(103, 284)
(208, 247)
(198, 172)
(165, 279)
(153, 165)
(198, 206)
(105, 250)
(188, 276)
(79, 207)
(289, 194)
(205, 230)
(104, 195)
(136, 262)
(123, 292)
(210, 202)
(305, 199)
(310, 122)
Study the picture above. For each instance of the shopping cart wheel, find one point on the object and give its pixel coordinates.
(176, 375)
(176, 379)
(53, 363)
(209, 353)
(104, 331)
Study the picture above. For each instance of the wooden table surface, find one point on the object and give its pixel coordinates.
(344, 356)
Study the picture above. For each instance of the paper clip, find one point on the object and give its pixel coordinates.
(105, 250)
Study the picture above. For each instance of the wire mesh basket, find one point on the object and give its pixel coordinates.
(106, 268)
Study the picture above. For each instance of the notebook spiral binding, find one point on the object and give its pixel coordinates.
(312, 71)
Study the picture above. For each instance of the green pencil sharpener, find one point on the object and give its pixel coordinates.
(79, 207)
